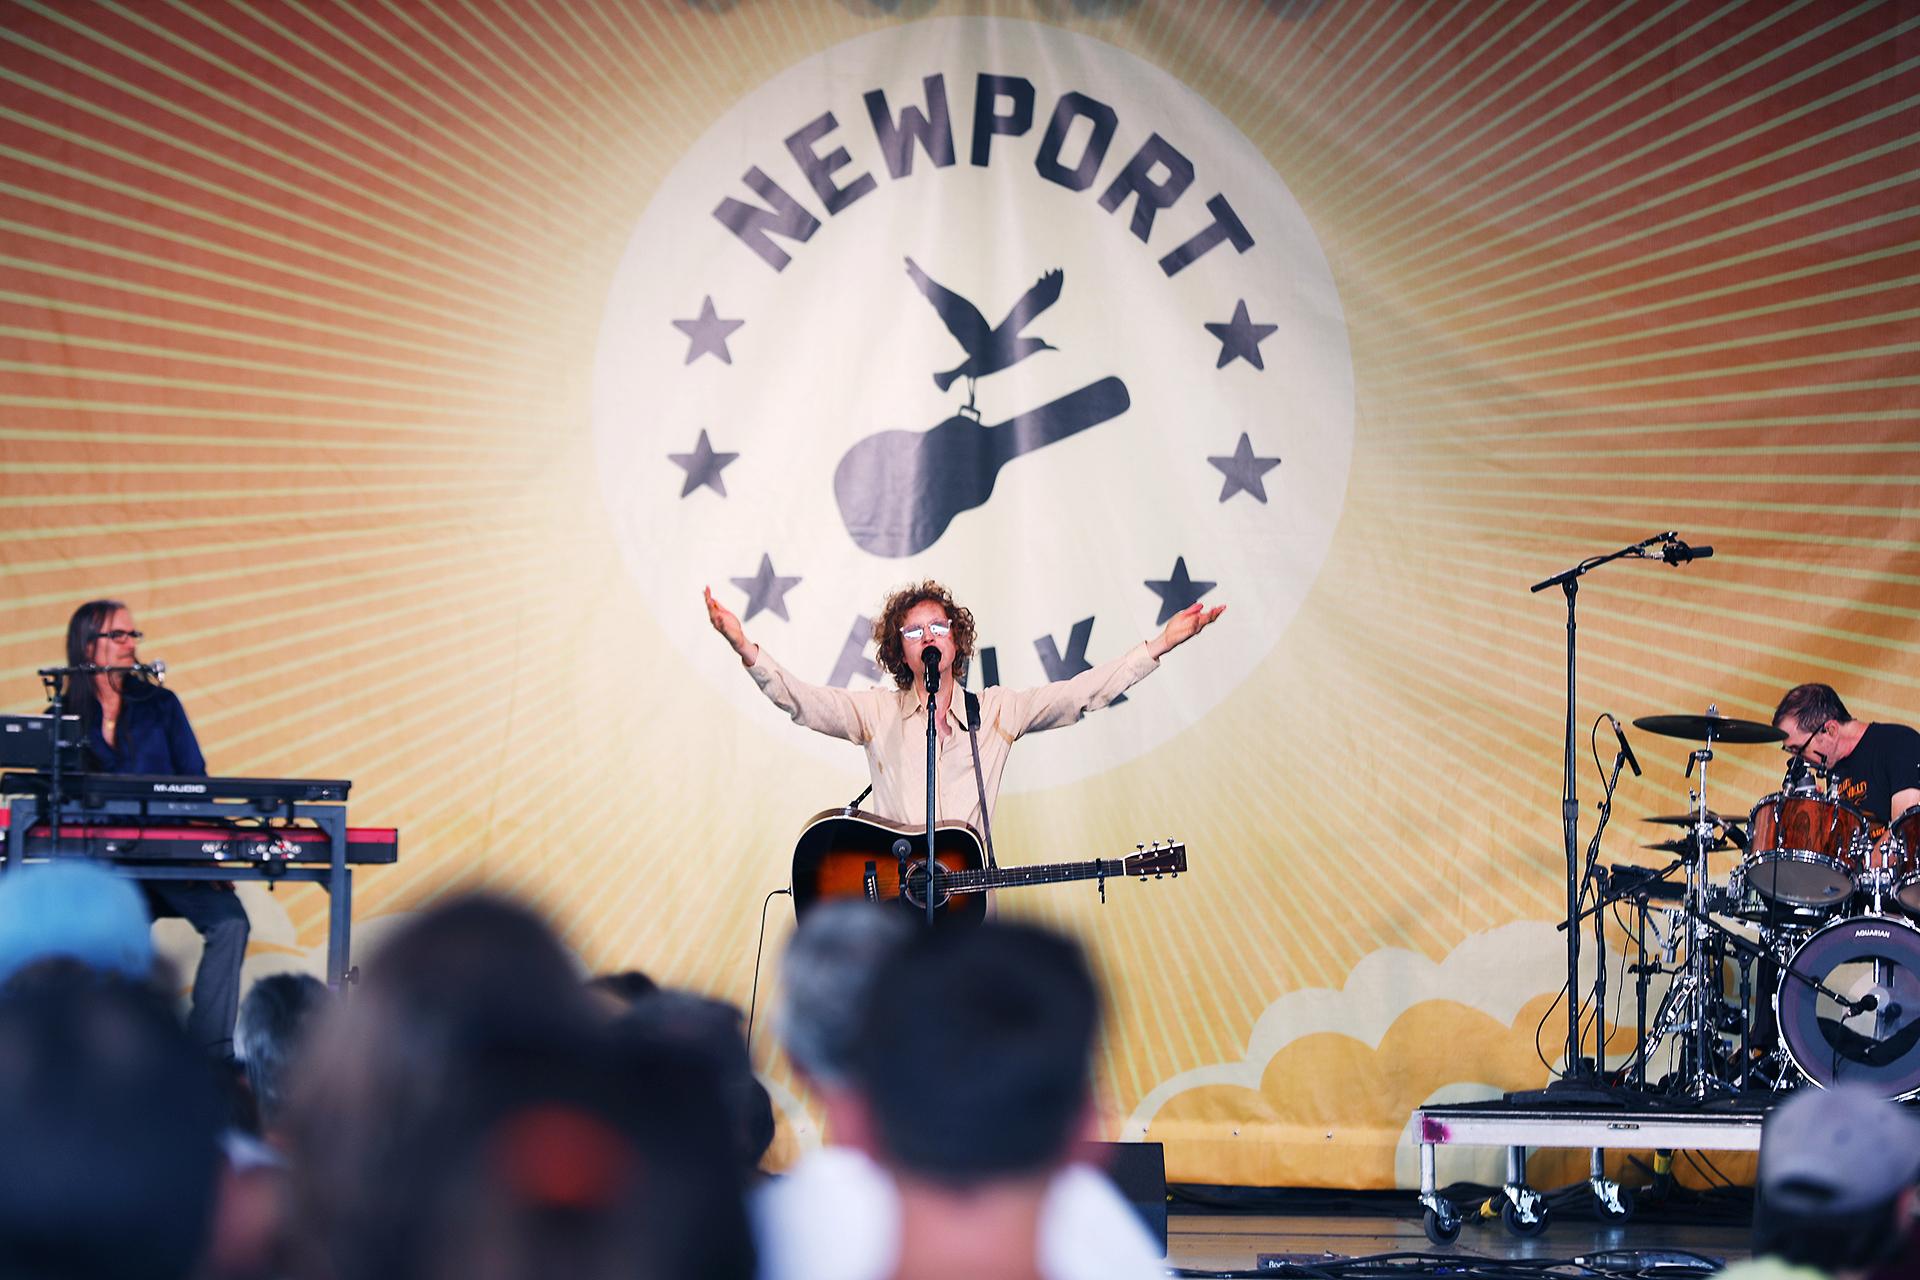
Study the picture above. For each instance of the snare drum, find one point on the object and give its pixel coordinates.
(1808, 850)
(1903, 860)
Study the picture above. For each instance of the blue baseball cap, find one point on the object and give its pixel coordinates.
(77, 910)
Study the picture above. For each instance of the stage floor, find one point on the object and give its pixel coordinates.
(1236, 1241)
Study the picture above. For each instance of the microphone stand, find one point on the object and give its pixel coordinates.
(930, 664)
(1575, 1075)
(55, 679)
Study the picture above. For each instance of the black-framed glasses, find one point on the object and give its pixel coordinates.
(938, 630)
(121, 637)
(1793, 748)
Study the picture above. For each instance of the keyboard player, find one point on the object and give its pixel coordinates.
(133, 726)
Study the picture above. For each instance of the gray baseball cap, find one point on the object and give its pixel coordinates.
(1837, 1151)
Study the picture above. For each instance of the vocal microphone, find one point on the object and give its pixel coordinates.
(155, 670)
(930, 663)
(1625, 750)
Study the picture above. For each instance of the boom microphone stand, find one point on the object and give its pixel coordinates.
(1577, 1074)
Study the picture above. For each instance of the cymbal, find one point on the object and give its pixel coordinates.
(1714, 728)
(1686, 820)
(1682, 845)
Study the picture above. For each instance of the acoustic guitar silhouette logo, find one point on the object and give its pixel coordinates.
(885, 484)
(990, 302)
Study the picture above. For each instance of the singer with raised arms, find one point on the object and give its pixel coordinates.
(922, 626)
(133, 725)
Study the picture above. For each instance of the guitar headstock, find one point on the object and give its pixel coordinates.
(1166, 858)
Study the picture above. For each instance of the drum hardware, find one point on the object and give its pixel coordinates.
(1694, 1008)
(1630, 880)
(1816, 897)
(1807, 777)
(1640, 887)
(1688, 819)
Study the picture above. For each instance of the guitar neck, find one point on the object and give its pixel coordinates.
(1044, 873)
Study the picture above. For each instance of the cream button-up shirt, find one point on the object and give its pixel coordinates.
(891, 724)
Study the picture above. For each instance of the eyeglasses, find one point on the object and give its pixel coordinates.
(121, 637)
(938, 630)
(1799, 748)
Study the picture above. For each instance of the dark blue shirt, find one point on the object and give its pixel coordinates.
(154, 736)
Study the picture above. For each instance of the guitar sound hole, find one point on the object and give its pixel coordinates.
(917, 887)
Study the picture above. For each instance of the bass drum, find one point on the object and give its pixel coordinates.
(1873, 964)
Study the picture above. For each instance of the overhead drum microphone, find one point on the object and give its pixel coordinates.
(1625, 750)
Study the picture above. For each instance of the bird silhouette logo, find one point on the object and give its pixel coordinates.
(989, 348)
(899, 490)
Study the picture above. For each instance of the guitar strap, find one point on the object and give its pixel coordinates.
(979, 778)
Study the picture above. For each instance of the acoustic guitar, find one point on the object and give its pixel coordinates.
(844, 853)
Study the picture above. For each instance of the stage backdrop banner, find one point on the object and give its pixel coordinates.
(411, 367)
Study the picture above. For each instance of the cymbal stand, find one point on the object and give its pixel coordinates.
(1642, 978)
(1700, 985)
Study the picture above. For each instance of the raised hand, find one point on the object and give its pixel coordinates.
(1184, 626)
(727, 624)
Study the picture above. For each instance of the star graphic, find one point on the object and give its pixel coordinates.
(767, 590)
(704, 465)
(1241, 468)
(1240, 338)
(709, 333)
(1176, 592)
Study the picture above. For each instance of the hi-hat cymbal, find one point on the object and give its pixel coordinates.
(1711, 728)
(1686, 820)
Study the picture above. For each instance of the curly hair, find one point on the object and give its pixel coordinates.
(886, 631)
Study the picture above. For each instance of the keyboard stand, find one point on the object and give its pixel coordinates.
(26, 811)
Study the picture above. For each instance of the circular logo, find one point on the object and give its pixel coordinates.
(989, 302)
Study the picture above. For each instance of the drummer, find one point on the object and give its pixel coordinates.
(1875, 767)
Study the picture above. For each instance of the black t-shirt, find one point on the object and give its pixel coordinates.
(1887, 760)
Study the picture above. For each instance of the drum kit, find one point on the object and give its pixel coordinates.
(1818, 915)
